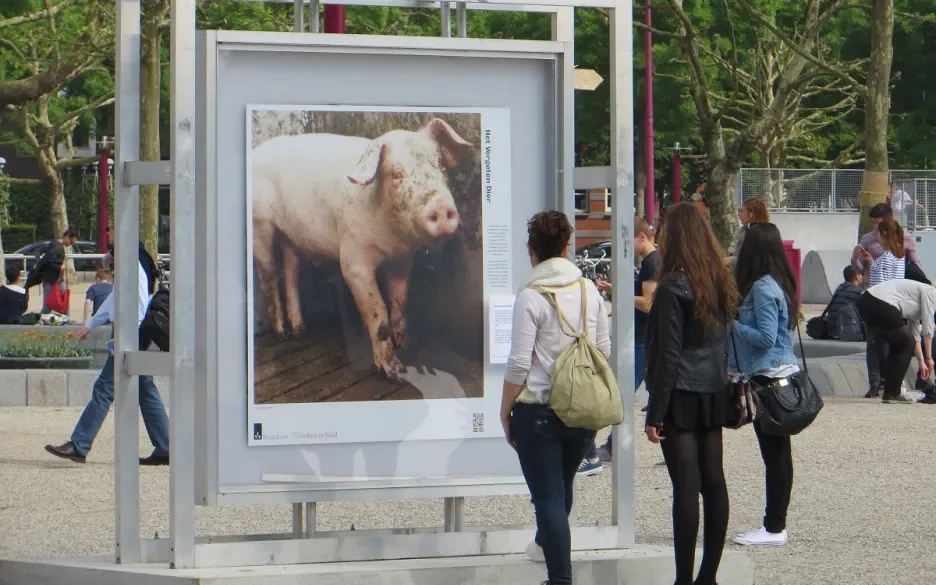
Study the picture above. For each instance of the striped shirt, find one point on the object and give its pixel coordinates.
(887, 267)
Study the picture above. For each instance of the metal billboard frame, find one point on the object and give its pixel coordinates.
(182, 549)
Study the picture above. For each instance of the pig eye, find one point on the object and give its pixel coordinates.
(398, 174)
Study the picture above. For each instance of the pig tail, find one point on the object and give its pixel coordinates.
(549, 234)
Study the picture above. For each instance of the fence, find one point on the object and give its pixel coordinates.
(95, 260)
(825, 189)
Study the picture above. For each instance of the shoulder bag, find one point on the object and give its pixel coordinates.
(818, 327)
(743, 399)
(787, 406)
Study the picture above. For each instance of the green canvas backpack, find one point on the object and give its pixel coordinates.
(584, 392)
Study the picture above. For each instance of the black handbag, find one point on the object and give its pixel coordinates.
(787, 406)
(742, 397)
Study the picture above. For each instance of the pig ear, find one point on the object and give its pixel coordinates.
(452, 147)
(366, 170)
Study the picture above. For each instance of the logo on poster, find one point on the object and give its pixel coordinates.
(477, 422)
(258, 431)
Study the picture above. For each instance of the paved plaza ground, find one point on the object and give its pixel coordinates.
(862, 511)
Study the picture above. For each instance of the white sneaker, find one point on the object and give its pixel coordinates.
(535, 552)
(761, 537)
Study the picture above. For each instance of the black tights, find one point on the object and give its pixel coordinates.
(694, 461)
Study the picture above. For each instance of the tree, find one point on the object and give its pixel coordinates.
(154, 22)
(741, 104)
(51, 120)
(874, 184)
(59, 72)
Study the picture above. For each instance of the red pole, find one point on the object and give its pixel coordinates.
(103, 176)
(335, 18)
(650, 189)
(677, 175)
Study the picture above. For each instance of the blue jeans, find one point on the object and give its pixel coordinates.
(640, 368)
(550, 453)
(102, 396)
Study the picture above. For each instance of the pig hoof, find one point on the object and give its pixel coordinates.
(392, 370)
(298, 329)
(399, 339)
(281, 334)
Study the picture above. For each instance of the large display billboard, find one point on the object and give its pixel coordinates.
(375, 237)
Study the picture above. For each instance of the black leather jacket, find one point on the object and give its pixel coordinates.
(680, 353)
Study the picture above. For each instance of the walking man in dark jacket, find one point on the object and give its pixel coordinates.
(50, 269)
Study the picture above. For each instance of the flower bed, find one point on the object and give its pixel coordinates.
(40, 350)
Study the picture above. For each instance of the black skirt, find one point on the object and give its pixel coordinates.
(695, 411)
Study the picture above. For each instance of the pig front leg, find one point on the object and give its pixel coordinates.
(359, 268)
(267, 275)
(398, 273)
(291, 287)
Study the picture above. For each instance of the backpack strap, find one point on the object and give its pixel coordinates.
(564, 324)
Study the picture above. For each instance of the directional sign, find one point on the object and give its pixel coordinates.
(587, 79)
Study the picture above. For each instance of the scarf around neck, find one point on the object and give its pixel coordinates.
(554, 272)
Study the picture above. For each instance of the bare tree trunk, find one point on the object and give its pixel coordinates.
(153, 14)
(55, 191)
(874, 186)
(720, 197)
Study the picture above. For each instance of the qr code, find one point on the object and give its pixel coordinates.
(477, 422)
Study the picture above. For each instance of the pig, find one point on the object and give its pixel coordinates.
(363, 203)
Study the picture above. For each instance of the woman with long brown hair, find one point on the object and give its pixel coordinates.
(688, 384)
(751, 211)
(892, 264)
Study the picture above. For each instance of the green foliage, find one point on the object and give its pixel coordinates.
(15, 236)
(38, 344)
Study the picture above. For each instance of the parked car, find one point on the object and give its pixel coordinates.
(34, 250)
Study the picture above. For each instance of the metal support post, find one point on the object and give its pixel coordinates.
(310, 520)
(458, 514)
(182, 330)
(832, 196)
(563, 29)
(448, 514)
(315, 18)
(622, 160)
(298, 16)
(126, 286)
(461, 18)
(446, 18)
(297, 520)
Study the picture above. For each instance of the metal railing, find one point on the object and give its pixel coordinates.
(818, 189)
(99, 257)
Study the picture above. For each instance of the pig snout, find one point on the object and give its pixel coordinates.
(440, 218)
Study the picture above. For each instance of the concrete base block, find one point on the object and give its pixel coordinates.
(46, 388)
(13, 388)
(80, 384)
(642, 565)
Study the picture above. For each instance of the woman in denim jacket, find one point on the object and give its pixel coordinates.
(763, 336)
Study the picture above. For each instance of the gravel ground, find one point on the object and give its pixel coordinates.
(862, 510)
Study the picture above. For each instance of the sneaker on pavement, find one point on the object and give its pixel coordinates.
(898, 399)
(873, 393)
(587, 467)
(761, 537)
(535, 552)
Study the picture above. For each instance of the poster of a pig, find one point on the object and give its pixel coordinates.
(366, 244)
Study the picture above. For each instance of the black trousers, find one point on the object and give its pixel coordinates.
(888, 327)
(777, 453)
